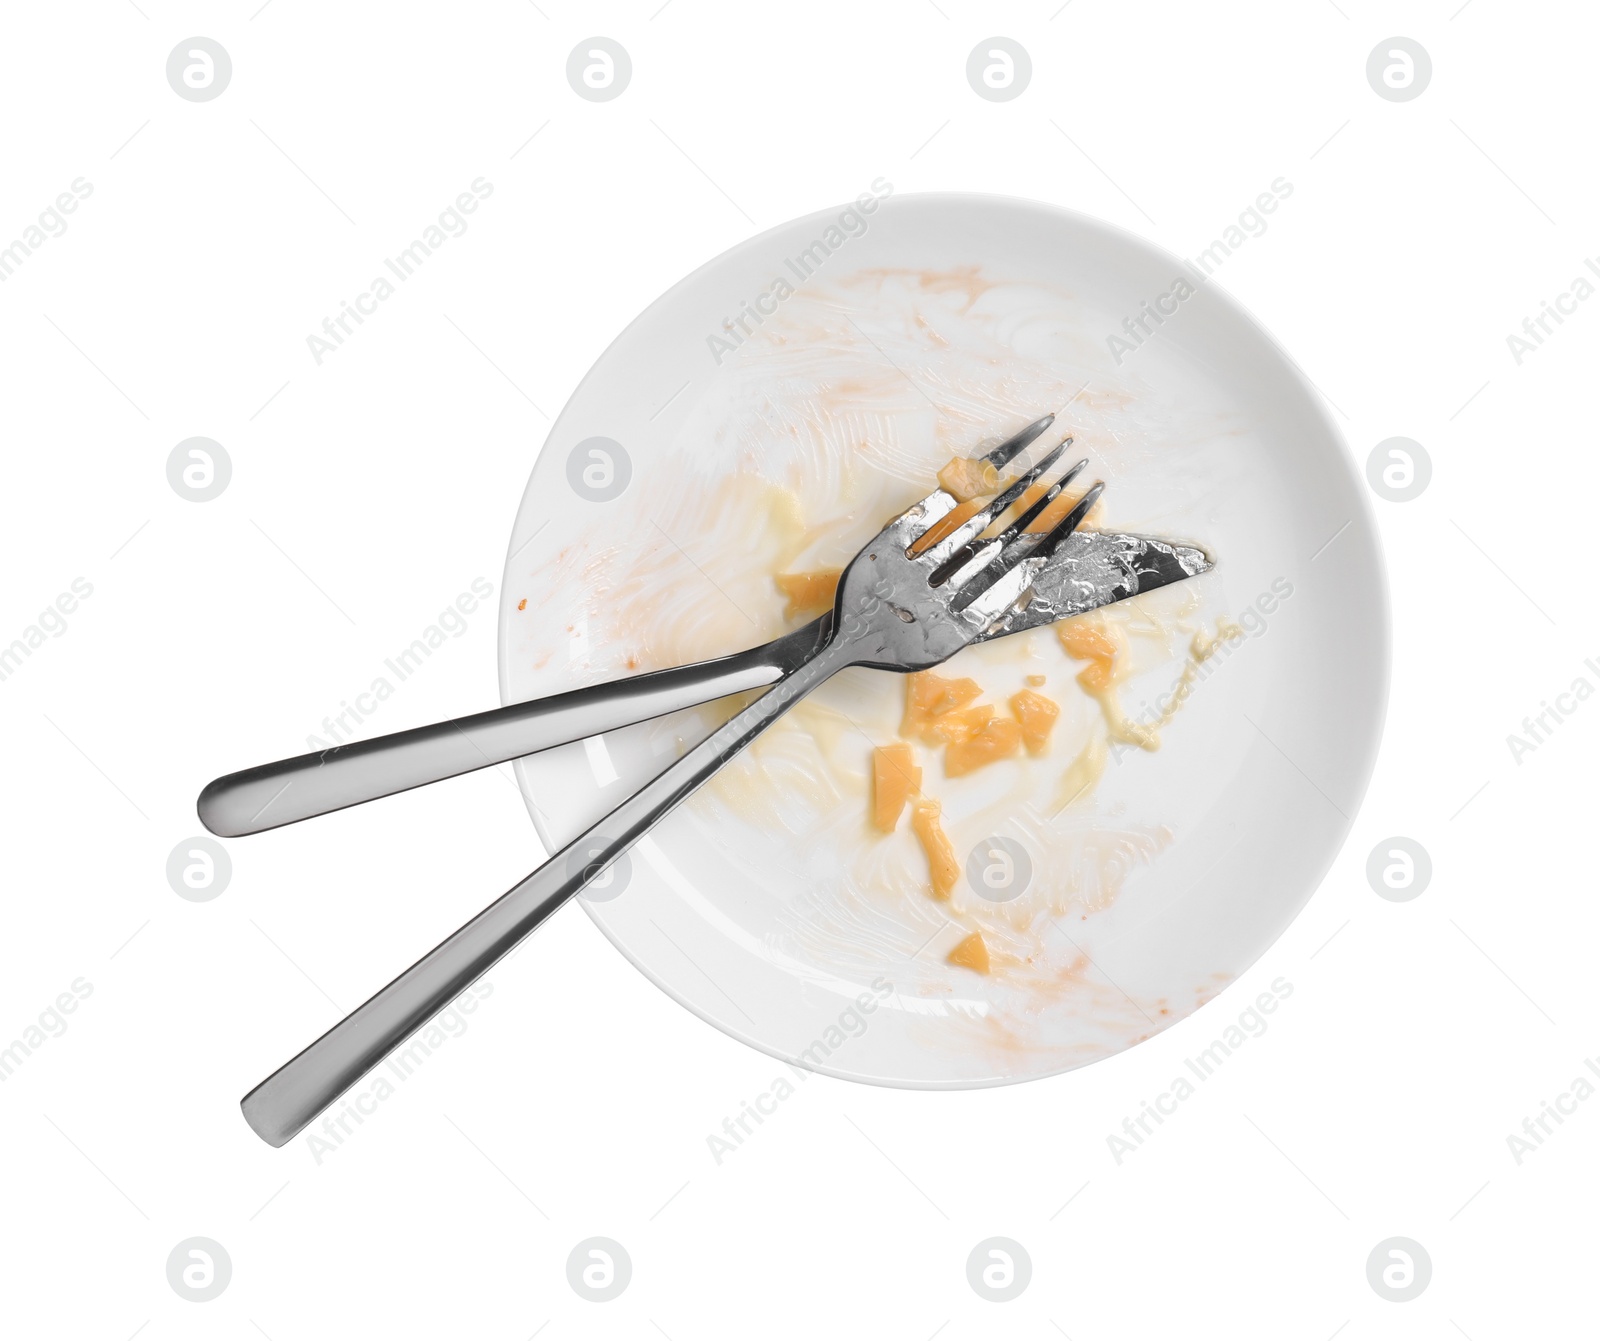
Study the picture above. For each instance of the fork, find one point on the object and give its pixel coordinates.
(899, 607)
(268, 796)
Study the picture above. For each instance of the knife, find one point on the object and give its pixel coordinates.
(1090, 570)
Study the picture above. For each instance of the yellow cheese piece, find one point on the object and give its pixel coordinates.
(929, 696)
(1037, 714)
(943, 868)
(808, 593)
(1083, 641)
(999, 738)
(950, 728)
(1087, 642)
(965, 479)
(971, 953)
(895, 780)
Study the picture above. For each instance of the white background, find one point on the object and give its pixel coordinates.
(369, 491)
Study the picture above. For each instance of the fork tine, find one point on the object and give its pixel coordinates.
(1070, 523)
(1044, 500)
(1013, 447)
(1022, 558)
(983, 518)
(924, 515)
(975, 554)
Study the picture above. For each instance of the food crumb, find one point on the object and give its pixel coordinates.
(895, 779)
(1082, 641)
(966, 478)
(1095, 677)
(950, 728)
(999, 738)
(808, 593)
(943, 868)
(1038, 717)
(929, 696)
(971, 953)
(523, 603)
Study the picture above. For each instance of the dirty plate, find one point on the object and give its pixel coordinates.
(761, 420)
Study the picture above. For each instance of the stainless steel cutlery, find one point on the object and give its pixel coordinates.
(900, 606)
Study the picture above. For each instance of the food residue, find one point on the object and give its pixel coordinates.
(895, 780)
(929, 696)
(971, 953)
(967, 478)
(942, 864)
(808, 593)
(947, 711)
(951, 728)
(946, 524)
(991, 747)
(1037, 714)
(998, 738)
(1088, 640)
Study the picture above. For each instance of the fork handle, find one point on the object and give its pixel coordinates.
(270, 795)
(282, 1105)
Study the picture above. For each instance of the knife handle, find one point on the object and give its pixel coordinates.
(270, 795)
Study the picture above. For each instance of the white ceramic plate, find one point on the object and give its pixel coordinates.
(768, 414)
